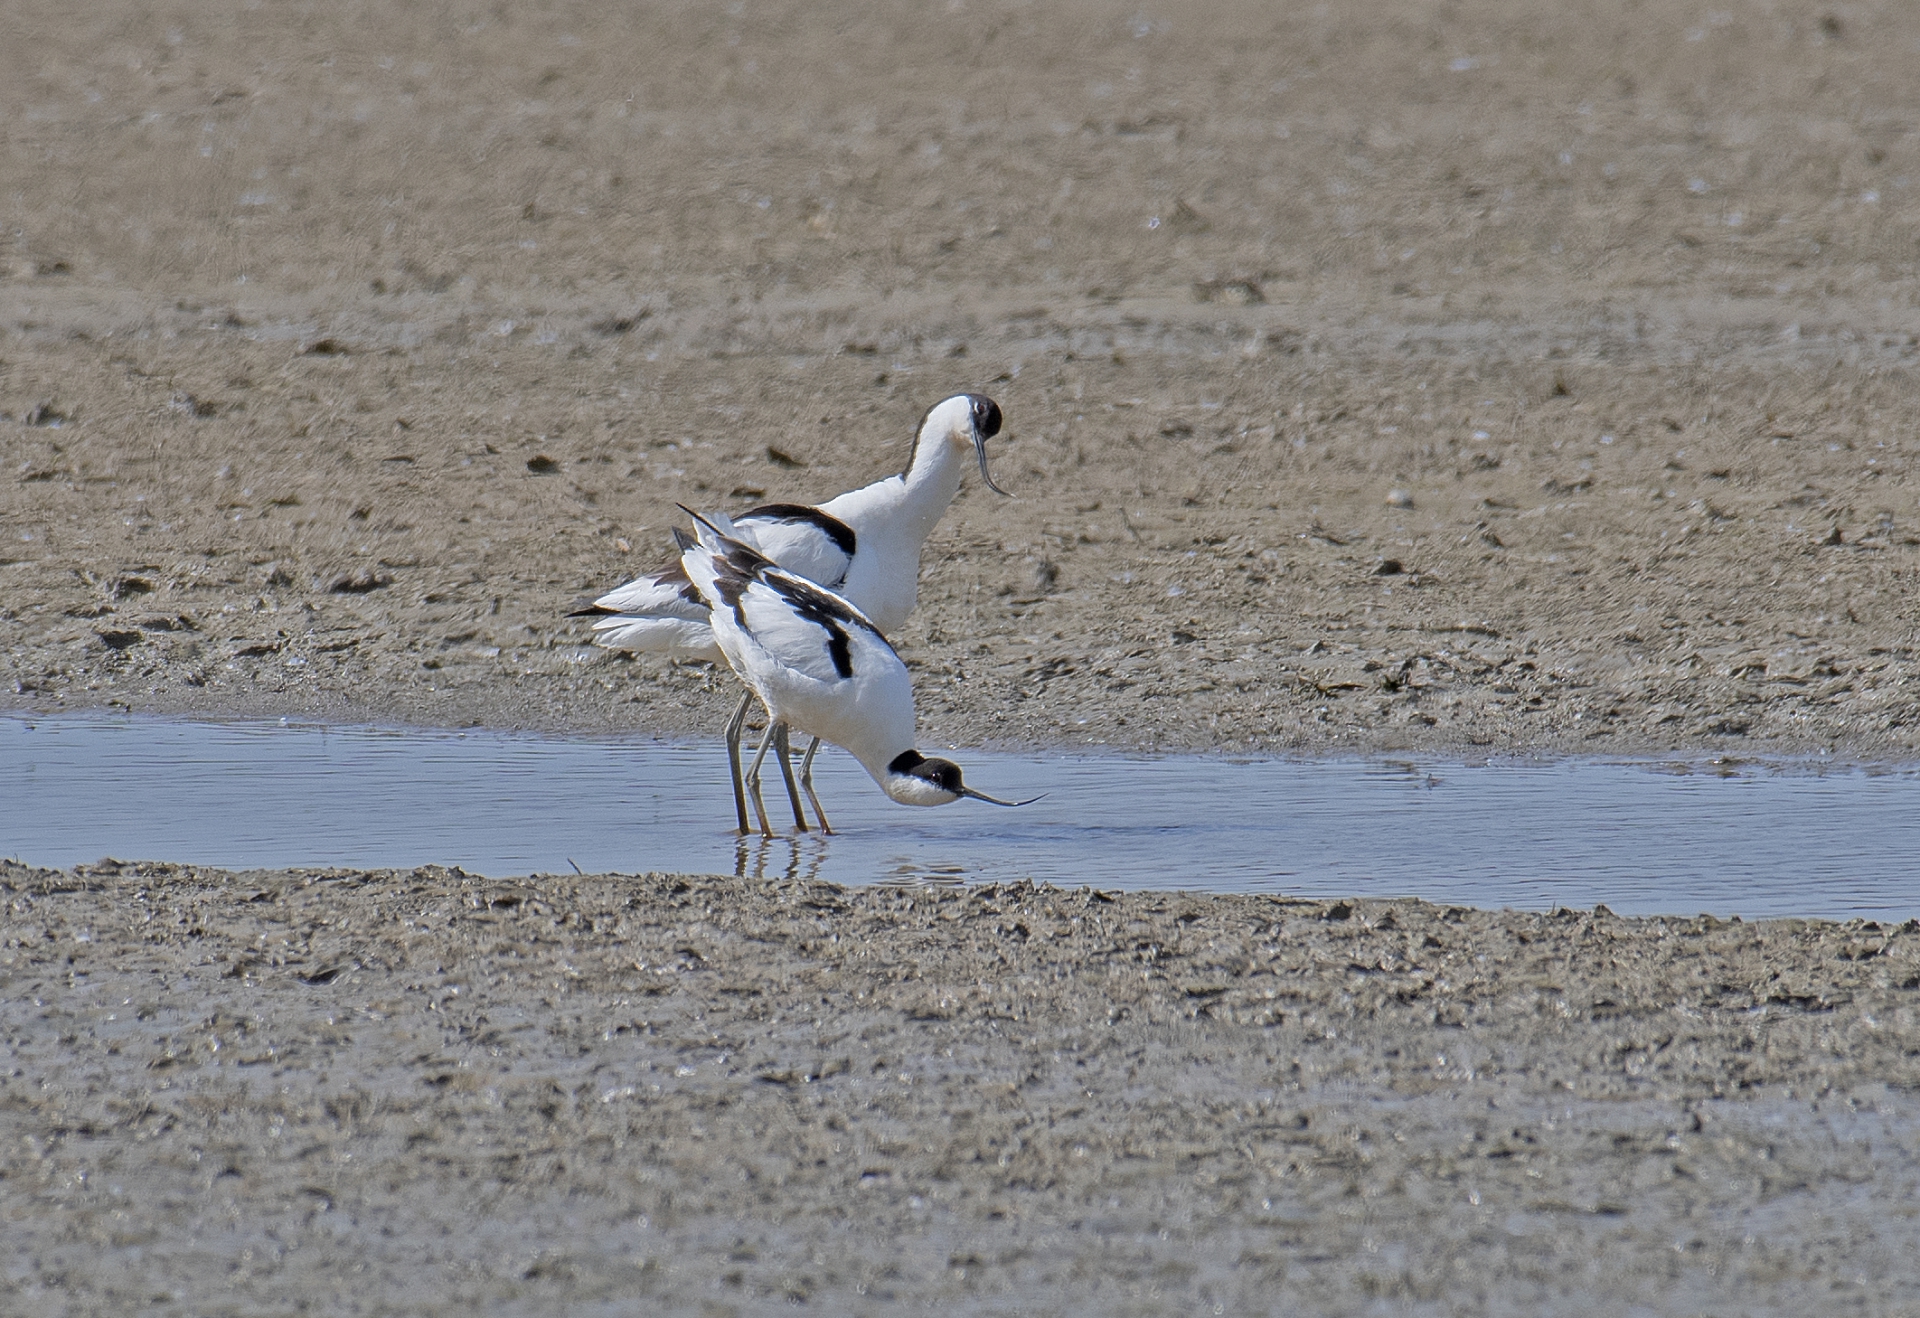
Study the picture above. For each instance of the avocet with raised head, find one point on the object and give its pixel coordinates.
(864, 545)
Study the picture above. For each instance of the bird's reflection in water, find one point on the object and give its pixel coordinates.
(909, 873)
(761, 857)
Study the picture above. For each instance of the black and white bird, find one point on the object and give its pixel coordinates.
(817, 664)
(863, 545)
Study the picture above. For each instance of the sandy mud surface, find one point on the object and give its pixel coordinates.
(427, 1092)
(1383, 375)
(1376, 377)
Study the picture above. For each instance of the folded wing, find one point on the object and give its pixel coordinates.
(795, 624)
(800, 538)
(662, 613)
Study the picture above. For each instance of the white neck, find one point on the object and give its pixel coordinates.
(876, 762)
(905, 508)
(893, 518)
(933, 481)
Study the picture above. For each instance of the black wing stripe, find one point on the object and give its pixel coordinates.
(838, 647)
(826, 611)
(826, 523)
(804, 595)
(744, 558)
(737, 567)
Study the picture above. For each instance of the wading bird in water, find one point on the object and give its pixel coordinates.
(817, 664)
(863, 545)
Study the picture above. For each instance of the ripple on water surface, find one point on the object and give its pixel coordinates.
(1793, 838)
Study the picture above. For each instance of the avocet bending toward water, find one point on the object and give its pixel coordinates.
(864, 545)
(817, 664)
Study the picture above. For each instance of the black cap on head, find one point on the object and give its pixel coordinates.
(986, 414)
(944, 774)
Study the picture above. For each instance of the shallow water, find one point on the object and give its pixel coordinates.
(1644, 838)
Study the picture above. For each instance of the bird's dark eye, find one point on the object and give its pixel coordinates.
(944, 774)
(986, 415)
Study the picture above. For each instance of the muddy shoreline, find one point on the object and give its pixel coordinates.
(285, 1090)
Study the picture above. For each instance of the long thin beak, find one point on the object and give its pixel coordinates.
(994, 800)
(980, 447)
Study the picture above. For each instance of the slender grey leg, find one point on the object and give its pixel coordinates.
(734, 725)
(782, 750)
(753, 781)
(806, 782)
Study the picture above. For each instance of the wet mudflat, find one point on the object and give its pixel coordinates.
(425, 1092)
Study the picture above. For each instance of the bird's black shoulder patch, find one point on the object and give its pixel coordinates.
(826, 523)
(840, 650)
(826, 611)
(817, 600)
